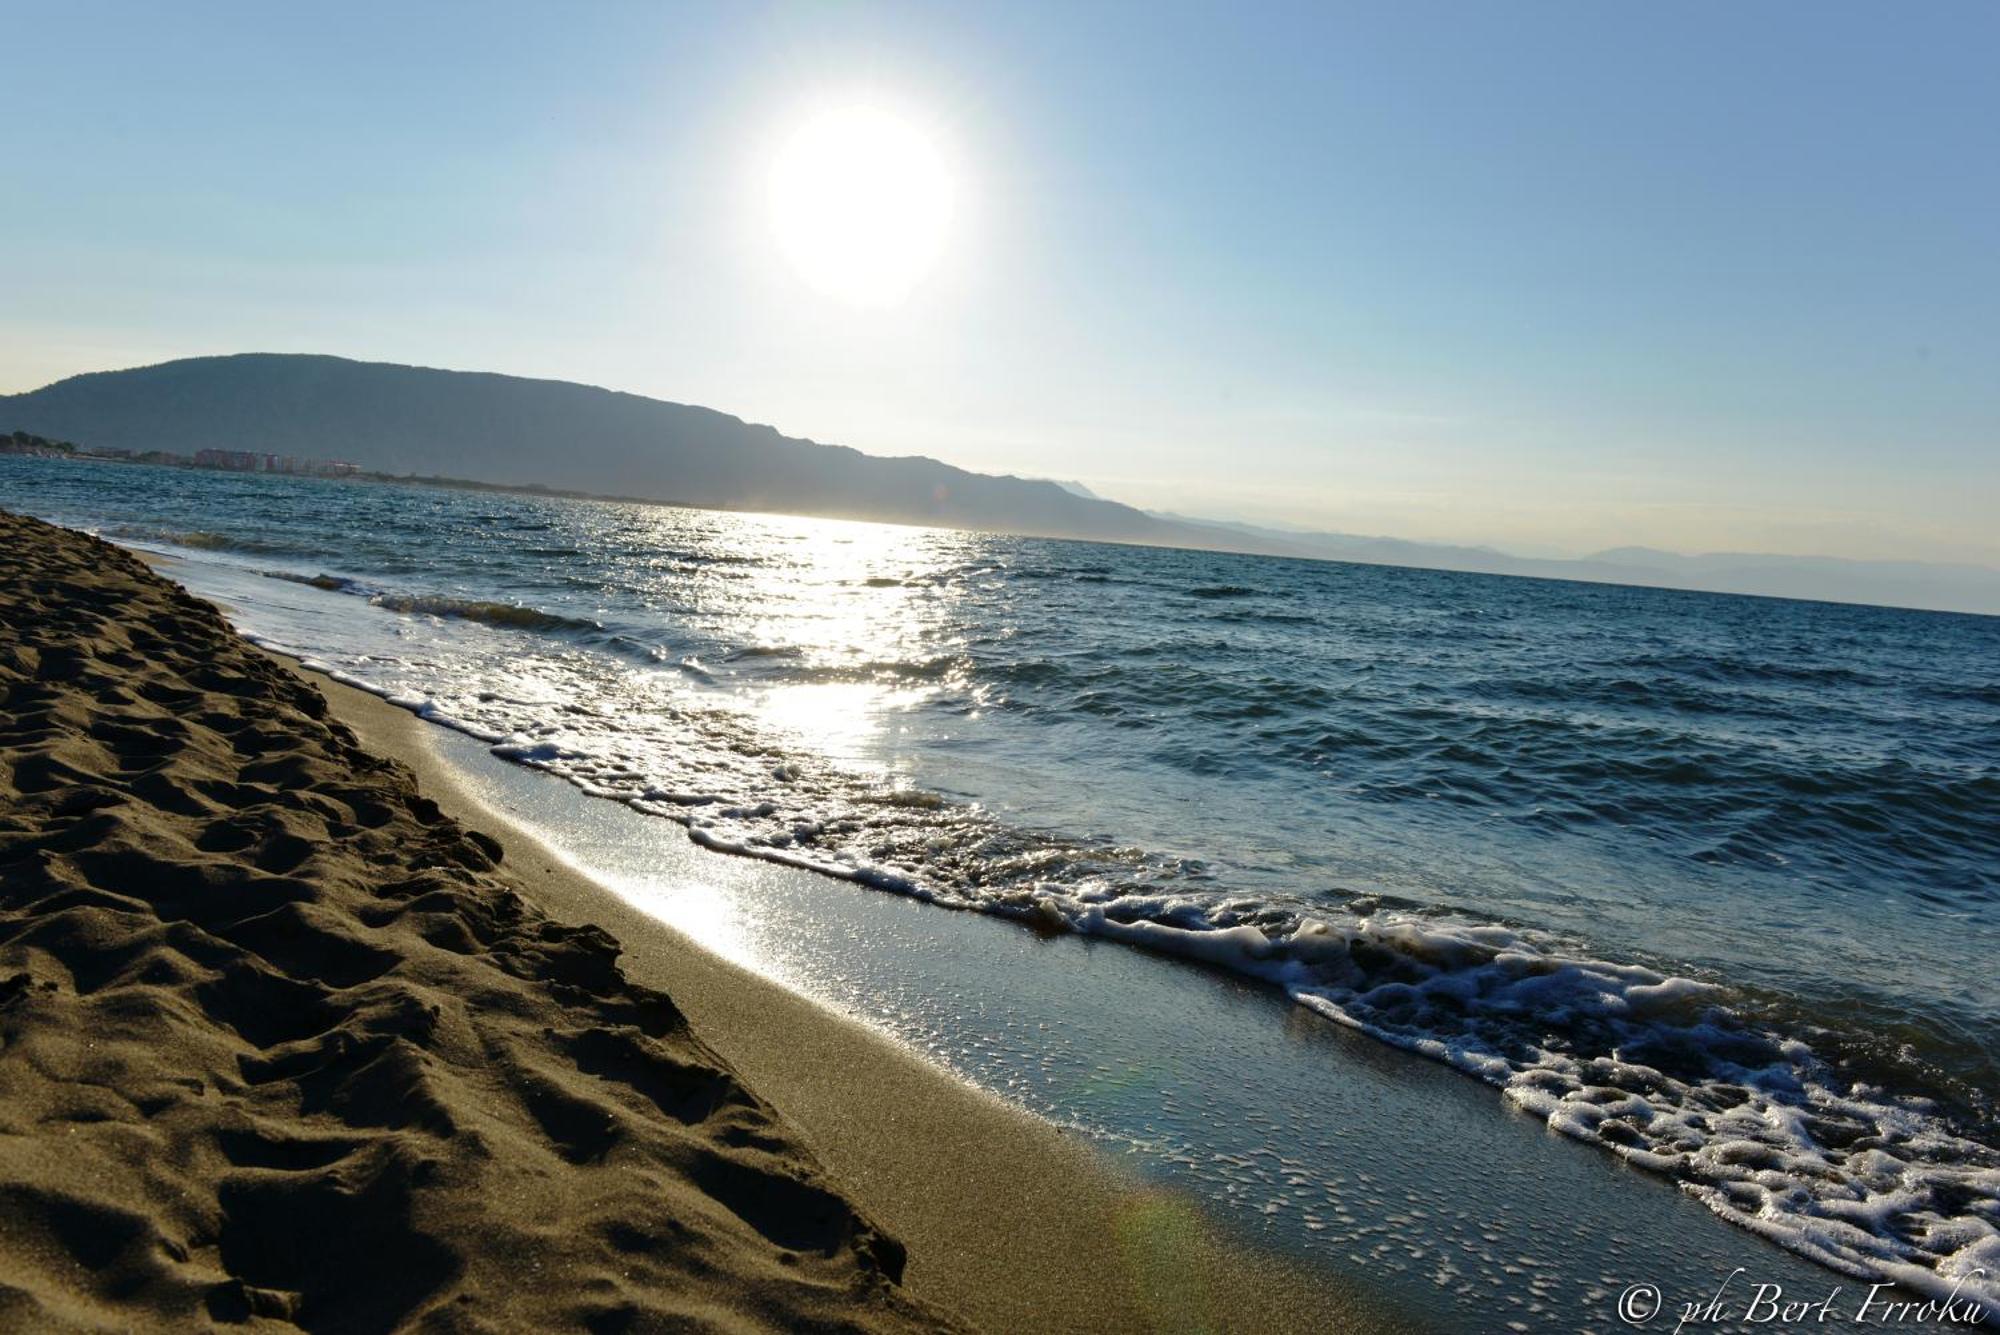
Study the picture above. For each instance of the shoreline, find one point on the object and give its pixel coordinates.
(286, 1036)
(1011, 1218)
(281, 1043)
(1448, 1146)
(1027, 1228)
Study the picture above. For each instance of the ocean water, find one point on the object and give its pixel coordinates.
(1707, 881)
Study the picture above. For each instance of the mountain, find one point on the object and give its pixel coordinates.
(1950, 587)
(514, 431)
(505, 429)
(1923, 584)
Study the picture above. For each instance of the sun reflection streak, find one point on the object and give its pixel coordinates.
(712, 918)
(858, 613)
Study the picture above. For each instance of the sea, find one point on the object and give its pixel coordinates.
(1709, 883)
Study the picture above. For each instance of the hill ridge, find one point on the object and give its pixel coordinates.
(520, 430)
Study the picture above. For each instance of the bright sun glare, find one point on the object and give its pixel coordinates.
(860, 201)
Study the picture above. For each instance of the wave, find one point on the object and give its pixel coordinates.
(1665, 693)
(1732, 668)
(1678, 1076)
(1712, 796)
(1274, 618)
(938, 667)
(331, 583)
(1672, 1074)
(203, 540)
(512, 615)
(199, 540)
(1976, 693)
(1753, 1111)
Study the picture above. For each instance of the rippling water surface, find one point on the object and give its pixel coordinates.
(1710, 881)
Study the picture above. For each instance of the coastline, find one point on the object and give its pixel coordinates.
(892, 1041)
(281, 1042)
(285, 1036)
(1410, 1136)
(1007, 1219)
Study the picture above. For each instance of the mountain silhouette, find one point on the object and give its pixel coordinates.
(516, 431)
(477, 426)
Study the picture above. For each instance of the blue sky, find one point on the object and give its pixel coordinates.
(1554, 277)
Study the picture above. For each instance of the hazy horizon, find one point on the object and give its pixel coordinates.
(1303, 531)
(1554, 281)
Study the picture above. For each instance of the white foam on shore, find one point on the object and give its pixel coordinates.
(1664, 1071)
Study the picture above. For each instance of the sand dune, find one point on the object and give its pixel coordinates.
(282, 1044)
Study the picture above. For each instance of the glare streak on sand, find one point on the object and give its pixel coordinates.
(279, 1040)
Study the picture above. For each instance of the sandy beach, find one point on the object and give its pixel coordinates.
(1007, 1220)
(279, 1040)
(283, 1039)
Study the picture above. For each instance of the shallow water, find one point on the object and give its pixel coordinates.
(1306, 1138)
(1708, 881)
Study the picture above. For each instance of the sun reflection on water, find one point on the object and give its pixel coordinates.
(860, 613)
(843, 721)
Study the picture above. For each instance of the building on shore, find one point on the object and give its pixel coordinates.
(252, 461)
(229, 461)
(234, 461)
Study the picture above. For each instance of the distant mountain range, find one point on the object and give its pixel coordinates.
(1927, 584)
(519, 432)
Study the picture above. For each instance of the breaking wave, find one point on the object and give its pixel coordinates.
(512, 615)
(1727, 1095)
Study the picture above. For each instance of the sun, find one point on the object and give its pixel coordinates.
(861, 202)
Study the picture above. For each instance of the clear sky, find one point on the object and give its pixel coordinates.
(1550, 276)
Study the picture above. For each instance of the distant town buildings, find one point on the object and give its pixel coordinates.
(250, 461)
(232, 461)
